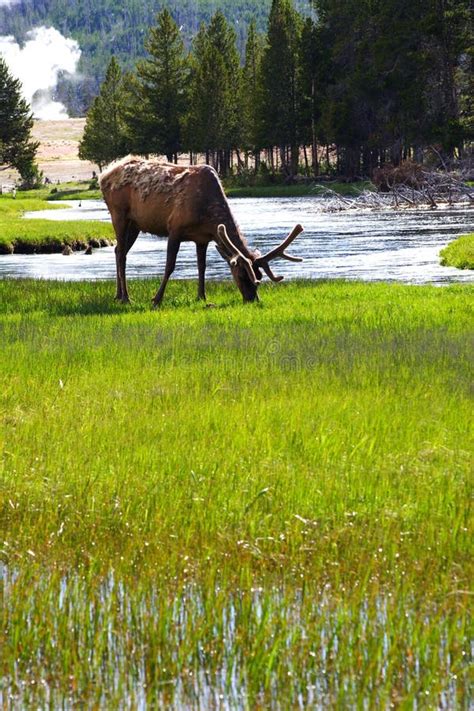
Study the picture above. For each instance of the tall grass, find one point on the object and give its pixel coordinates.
(239, 506)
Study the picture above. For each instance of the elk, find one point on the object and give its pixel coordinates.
(187, 204)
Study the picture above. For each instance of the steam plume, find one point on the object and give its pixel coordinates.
(44, 56)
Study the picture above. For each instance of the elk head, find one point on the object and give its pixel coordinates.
(247, 270)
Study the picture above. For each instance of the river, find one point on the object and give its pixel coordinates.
(384, 245)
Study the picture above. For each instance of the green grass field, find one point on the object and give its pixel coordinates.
(22, 235)
(459, 253)
(243, 507)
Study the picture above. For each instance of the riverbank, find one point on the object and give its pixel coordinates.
(460, 253)
(312, 189)
(197, 503)
(85, 190)
(21, 236)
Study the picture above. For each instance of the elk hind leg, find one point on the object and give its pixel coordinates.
(126, 237)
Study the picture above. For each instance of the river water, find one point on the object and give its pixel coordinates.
(386, 245)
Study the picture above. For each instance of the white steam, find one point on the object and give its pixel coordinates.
(45, 55)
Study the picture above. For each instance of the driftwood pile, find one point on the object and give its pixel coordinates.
(409, 185)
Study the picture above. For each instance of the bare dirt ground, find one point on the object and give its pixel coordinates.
(58, 152)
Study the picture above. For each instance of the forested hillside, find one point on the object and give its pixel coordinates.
(106, 27)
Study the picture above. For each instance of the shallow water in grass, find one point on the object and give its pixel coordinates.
(387, 245)
(216, 649)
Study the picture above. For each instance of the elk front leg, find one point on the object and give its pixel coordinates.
(201, 250)
(172, 252)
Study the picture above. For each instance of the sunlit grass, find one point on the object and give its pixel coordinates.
(71, 190)
(13, 207)
(459, 253)
(268, 503)
(18, 234)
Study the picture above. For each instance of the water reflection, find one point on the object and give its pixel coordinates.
(113, 644)
(394, 245)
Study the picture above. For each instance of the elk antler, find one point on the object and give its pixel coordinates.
(263, 261)
(232, 253)
(280, 250)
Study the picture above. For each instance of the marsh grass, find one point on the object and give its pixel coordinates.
(21, 235)
(236, 507)
(459, 254)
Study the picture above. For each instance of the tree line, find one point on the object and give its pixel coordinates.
(366, 83)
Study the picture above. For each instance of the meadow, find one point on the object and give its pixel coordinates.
(238, 507)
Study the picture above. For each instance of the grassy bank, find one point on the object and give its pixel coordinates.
(309, 190)
(258, 506)
(20, 235)
(74, 191)
(459, 254)
(82, 191)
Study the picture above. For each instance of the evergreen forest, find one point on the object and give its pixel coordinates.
(356, 86)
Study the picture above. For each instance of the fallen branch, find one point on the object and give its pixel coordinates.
(430, 189)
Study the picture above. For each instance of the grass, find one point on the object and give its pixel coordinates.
(459, 254)
(257, 506)
(311, 190)
(24, 236)
(73, 190)
(81, 190)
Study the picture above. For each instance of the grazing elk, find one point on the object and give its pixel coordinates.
(187, 204)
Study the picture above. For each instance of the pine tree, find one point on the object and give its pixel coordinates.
(137, 129)
(161, 91)
(345, 45)
(310, 83)
(450, 79)
(279, 79)
(17, 148)
(104, 136)
(251, 93)
(213, 123)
